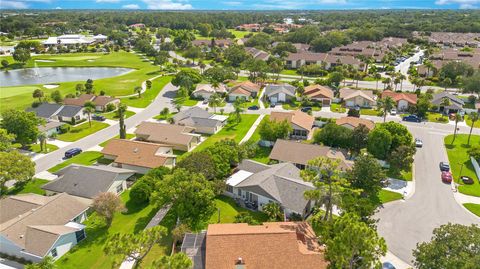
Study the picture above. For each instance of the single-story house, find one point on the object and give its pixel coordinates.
(300, 153)
(50, 128)
(301, 58)
(34, 226)
(319, 93)
(204, 91)
(353, 122)
(301, 123)
(456, 104)
(101, 101)
(46, 110)
(359, 98)
(241, 246)
(257, 54)
(71, 114)
(59, 112)
(243, 90)
(402, 100)
(177, 136)
(280, 93)
(138, 156)
(279, 183)
(89, 181)
(222, 43)
(200, 119)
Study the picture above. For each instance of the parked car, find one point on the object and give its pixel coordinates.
(418, 143)
(306, 109)
(444, 166)
(393, 112)
(273, 105)
(72, 152)
(98, 117)
(446, 177)
(467, 180)
(387, 265)
(412, 118)
(253, 108)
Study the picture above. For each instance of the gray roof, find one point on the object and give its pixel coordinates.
(455, 102)
(196, 117)
(45, 110)
(194, 111)
(85, 181)
(273, 89)
(69, 111)
(280, 182)
(252, 166)
(49, 125)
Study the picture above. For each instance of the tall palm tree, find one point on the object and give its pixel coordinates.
(402, 77)
(377, 77)
(386, 104)
(457, 119)
(89, 107)
(214, 101)
(122, 108)
(42, 139)
(445, 103)
(474, 116)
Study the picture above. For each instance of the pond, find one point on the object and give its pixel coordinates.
(46, 75)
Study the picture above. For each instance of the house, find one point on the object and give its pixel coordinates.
(68, 40)
(137, 25)
(354, 122)
(243, 90)
(456, 104)
(242, 246)
(402, 100)
(34, 226)
(280, 93)
(260, 184)
(46, 110)
(200, 119)
(177, 136)
(357, 98)
(89, 181)
(222, 43)
(101, 102)
(100, 38)
(301, 123)
(138, 156)
(299, 59)
(204, 91)
(50, 128)
(300, 153)
(319, 93)
(65, 113)
(257, 54)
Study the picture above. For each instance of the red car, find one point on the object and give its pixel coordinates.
(446, 177)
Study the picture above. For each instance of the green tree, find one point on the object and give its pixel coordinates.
(138, 90)
(56, 96)
(15, 166)
(335, 78)
(273, 211)
(458, 118)
(21, 55)
(148, 84)
(186, 78)
(140, 192)
(89, 107)
(42, 139)
(122, 108)
(452, 246)
(106, 204)
(22, 124)
(134, 246)
(455, 69)
(245, 217)
(400, 134)
(199, 162)
(474, 116)
(46, 263)
(401, 158)
(235, 55)
(89, 86)
(273, 130)
(423, 105)
(386, 105)
(193, 53)
(359, 138)
(471, 84)
(5, 63)
(218, 74)
(334, 136)
(176, 261)
(236, 115)
(214, 101)
(225, 155)
(379, 143)
(6, 140)
(37, 93)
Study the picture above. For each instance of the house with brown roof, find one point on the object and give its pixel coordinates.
(243, 90)
(319, 93)
(299, 59)
(357, 98)
(177, 136)
(34, 226)
(101, 101)
(301, 123)
(138, 156)
(257, 54)
(402, 100)
(242, 246)
(204, 91)
(354, 122)
(222, 43)
(299, 153)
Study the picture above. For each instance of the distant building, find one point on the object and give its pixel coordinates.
(73, 40)
(65, 113)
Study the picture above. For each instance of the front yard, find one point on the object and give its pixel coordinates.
(389, 196)
(33, 186)
(437, 117)
(36, 148)
(337, 108)
(474, 208)
(459, 160)
(84, 158)
(82, 130)
(370, 112)
(114, 115)
(402, 175)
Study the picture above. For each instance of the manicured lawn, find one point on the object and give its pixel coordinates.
(263, 152)
(388, 196)
(402, 175)
(229, 209)
(161, 117)
(129, 136)
(89, 253)
(36, 148)
(459, 160)
(186, 101)
(337, 108)
(114, 116)
(149, 95)
(437, 117)
(469, 122)
(369, 111)
(82, 130)
(291, 72)
(33, 186)
(474, 208)
(85, 158)
(239, 34)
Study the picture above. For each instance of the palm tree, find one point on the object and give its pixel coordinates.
(429, 65)
(138, 90)
(401, 77)
(122, 108)
(386, 81)
(89, 107)
(238, 110)
(42, 139)
(474, 116)
(214, 101)
(202, 67)
(386, 104)
(447, 82)
(377, 77)
(148, 84)
(396, 81)
(273, 211)
(445, 103)
(457, 119)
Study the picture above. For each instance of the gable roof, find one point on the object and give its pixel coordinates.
(165, 133)
(209, 88)
(45, 110)
(247, 86)
(137, 153)
(314, 91)
(103, 100)
(273, 89)
(355, 122)
(270, 245)
(397, 96)
(193, 111)
(69, 111)
(455, 102)
(257, 54)
(347, 93)
(296, 117)
(49, 125)
(85, 181)
(80, 100)
(197, 117)
(301, 153)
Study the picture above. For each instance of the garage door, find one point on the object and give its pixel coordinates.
(281, 97)
(350, 103)
(273, 100)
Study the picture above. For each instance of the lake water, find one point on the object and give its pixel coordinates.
(46, 75)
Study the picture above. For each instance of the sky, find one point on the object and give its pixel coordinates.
(239, 4)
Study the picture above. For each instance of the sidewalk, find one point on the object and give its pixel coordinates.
(252, 129)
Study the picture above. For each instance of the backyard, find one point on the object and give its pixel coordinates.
(82, 130)
(263, 152)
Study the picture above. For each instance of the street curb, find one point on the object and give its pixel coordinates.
(413, 184)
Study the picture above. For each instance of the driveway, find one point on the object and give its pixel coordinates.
(405, 65)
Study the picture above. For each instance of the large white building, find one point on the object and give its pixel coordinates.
(74, 40)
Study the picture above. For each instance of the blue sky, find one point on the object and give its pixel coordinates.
(238, 4)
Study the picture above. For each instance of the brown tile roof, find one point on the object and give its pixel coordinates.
(301, 153)
(307, 56)
(80, 100)
(397, 96)
(165, 133)
(296, 117)
(136, 153)
(315, 91)
(355, 122)
(103, 100)
(246, 86)
(271, 245)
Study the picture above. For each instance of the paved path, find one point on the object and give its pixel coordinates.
(405, 65)
(252, 129)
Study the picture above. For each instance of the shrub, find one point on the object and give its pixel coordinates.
(353, 113)
(295, 217)
(36, 103)
(475, 152)
(111, 107)
(64, 128)
(140, 192)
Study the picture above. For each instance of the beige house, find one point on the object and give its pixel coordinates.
(243, 90)
(353, 122)
(402, 100)
(301, 123)
(177, 136)
(357, 98)
(319, 93)
(101, 101)
(204, 91)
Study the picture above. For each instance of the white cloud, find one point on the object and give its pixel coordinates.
(232, 3)
(332, 2)
(5, 4)
(131, 6)
(468, 6)
(107, 1)
(58, 8)
(166, 4)
(460, 2)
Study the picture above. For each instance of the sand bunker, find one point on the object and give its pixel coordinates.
(45, 61)
(50, 86)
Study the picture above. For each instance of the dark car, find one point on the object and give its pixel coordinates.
(412, 118)
(467, 180)
(273, 105)
(72, 152)
(387, 265)
(444, 166)
(306, 109)
(98, 117)
(253, 108)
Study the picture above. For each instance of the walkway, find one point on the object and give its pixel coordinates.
(252, 129)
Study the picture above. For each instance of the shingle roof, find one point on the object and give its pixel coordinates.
(347, 93)
(45, 110)
(246, 86)
(165, 133)
(314, 91)
(136, 153)
(49, 125)
(85, 181)
(80, 100)
(273, 89)
(397, 96)
(209, 88)
(355, 122)
(455, 102)
(252, 166)
(69, 111)
(196, 117)
(194, 111)
(296, 117)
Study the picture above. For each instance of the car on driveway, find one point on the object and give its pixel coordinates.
(98, 117)
(393, 112)
(444, 166)
(418, 143)
(446, 177)
(253, 108)
(72, 152)
(273, 105)
(306, 109)
(412, 118)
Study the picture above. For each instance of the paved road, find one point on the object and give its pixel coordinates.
(405, 65)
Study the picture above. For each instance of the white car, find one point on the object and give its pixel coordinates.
(393, 112)
(418, 143)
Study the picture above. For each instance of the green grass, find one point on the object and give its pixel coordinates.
(33, 186)
(149, 95)
(229, 209)
(369, 111)
(337, 108)
(291, 72)
(36, 148)
(459, 160)
(186, 101)
(89, 253)
(402, 175)
(114, 116)
(437, 117)
(85, 158)
(263, 152)
(388, 196)
(469, 122)
(82, 130)
(238, 34)
(104, 143)
(161, 117)
(474, 208)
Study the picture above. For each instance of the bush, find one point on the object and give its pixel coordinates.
(475, 152)
(353, 113)
(111, 107)
(140, 192)
(295, 217)
(64, 128)
(36, 104)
